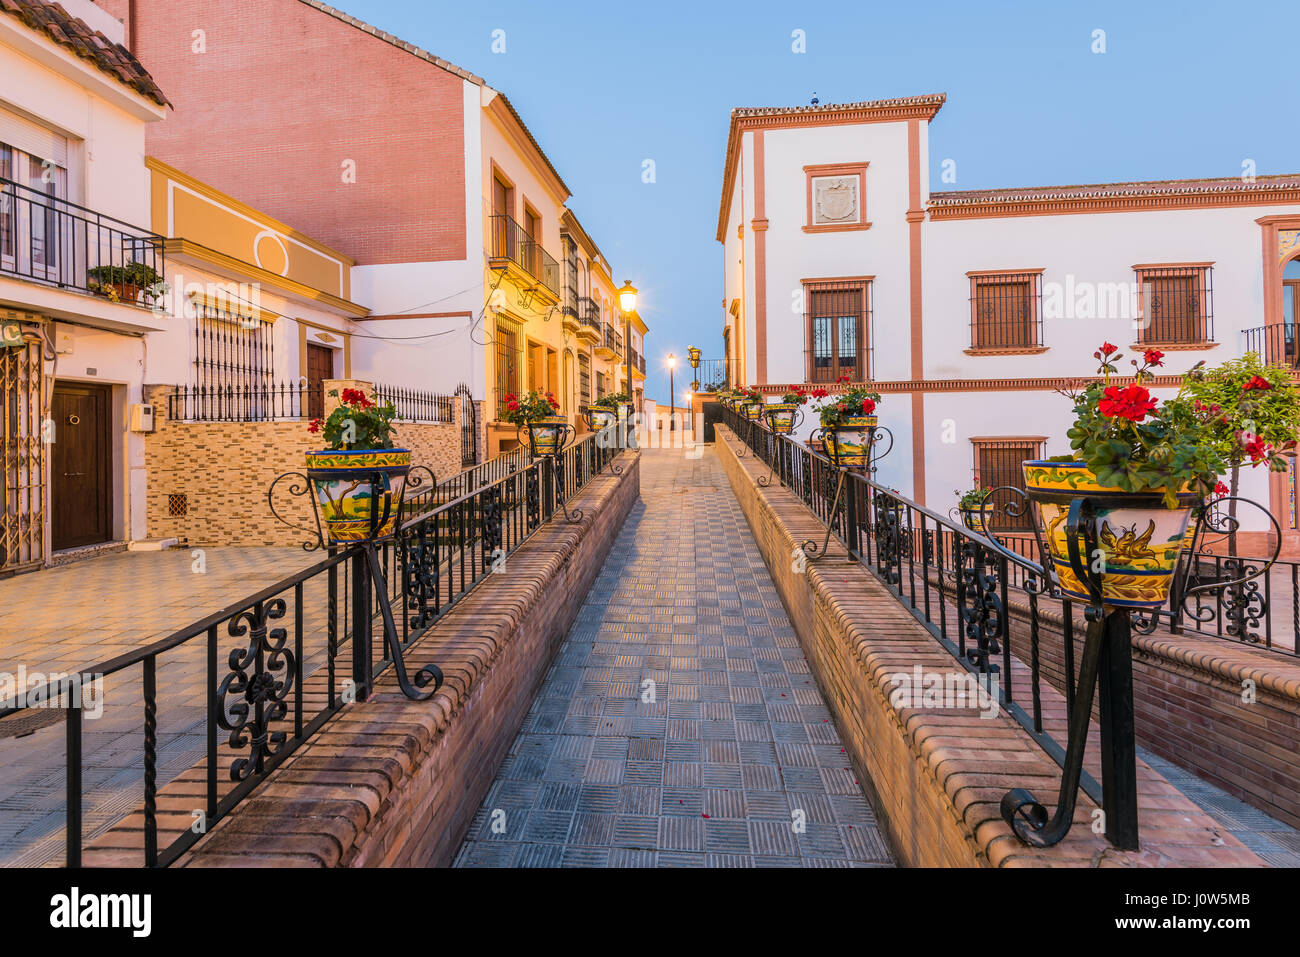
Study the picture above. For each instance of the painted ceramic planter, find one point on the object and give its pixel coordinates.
(356, 488)
(1140, 539)
(978, 520)
(545, 433)
(852, 440)
(780, 415)
(753, 410)
(602, 417)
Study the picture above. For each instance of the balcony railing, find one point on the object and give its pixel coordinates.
(613, 340)
(589, 312)
(512, 242)
(49, 240)
(415, 406)
(712, 375)
(1274, 344)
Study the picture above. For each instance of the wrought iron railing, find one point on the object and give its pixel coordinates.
(1275, 344)
(282, 661)
(415, 406)
(512, 242)
(245, 403)
(589, 313)
(613, 339)
(1003, 618)
(49, 240)
(713, 375)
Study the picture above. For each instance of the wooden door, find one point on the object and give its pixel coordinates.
(320, 366)
(81, 511)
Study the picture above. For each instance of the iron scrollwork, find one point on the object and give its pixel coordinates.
(253, 694)
(980, 605)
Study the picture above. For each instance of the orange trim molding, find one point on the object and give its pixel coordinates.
(760, 259)
(831, 114)
(993, 207)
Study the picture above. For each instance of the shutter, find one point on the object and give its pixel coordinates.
(23, 134)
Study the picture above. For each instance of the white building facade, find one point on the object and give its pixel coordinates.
(967, 310)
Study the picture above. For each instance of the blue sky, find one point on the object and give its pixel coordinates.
(1183, 90)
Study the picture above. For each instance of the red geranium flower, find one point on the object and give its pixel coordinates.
(1220, 489)
(314, 426)
(1153, 357)
(512, 405)
(842, 406)
(1255, 447)
(820, 393)
(842, 378)
(1131, 402)
(868, 406)
(1257, 383)
(1107, 348)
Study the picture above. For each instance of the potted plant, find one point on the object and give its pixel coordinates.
(537, 412)
(975, 508)
(849, 420)
(1145, 465)
(751, 403)
(124, 283)
(1254, 411)
(360, 479)
(781, 415)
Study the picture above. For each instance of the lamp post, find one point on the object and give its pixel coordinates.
(672, 399)
(627, 302)
(693, 353)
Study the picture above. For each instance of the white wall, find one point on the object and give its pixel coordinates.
(881, 251)
(1087, 249)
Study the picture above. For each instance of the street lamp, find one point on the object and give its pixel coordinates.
(672, 398)
(627, 302)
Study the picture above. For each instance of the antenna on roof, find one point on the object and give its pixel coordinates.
(814, 99)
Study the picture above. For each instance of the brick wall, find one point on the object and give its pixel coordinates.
(282, 95)
(223, 471)
(935, 776)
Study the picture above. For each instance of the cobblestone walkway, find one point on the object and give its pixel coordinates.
(679, 725)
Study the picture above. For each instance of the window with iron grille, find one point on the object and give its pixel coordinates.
(507, 364)
(584, 379)
(232, 349)
(1006, 311)
(1176, 304)
(838, 320)
(997, 465)
(600, 385)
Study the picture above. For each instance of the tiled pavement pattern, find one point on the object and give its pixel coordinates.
(72, 616)
(736, 741)
(1274, 841)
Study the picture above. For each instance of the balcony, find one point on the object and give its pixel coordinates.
(64, 246)
(1275, 344)
(637, 363)
(512, 248)
(589, 324)
(611, 345)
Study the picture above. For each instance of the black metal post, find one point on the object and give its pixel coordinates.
(1118, 750)
(361, 617)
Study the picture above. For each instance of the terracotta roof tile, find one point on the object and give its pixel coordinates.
(89, 44)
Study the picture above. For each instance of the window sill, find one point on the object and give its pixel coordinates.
(1007, 351)
(835, 227)
(1174, 346)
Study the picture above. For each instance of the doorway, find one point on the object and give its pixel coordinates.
(81, 504)
(320, 366)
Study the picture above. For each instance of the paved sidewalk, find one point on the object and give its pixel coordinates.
(734, 747)
(75, 616)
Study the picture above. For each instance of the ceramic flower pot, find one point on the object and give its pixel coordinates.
(601, 417)
(753, 409)
(781, 416)
(359, 492)
(978, 520)
(1139, 538)
(545, 434)
(852, 440)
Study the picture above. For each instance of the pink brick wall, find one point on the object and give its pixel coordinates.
(283, 96)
